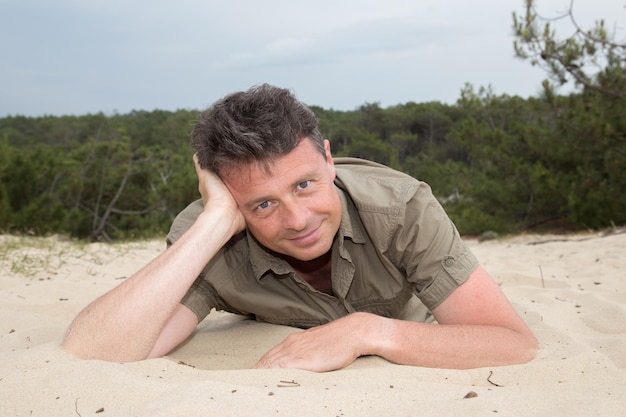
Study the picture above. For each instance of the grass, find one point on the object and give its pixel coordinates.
(39, 256)
(29, 256)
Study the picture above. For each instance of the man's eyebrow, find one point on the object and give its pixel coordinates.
(307, 176)
(254, 203)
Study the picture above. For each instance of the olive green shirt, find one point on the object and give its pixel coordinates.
(395, 241)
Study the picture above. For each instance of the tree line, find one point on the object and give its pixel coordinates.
(496, 162)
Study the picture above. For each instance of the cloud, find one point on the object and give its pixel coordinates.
(376, 39)
(99, 55)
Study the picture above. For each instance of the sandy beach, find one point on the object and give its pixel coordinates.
(570, 289)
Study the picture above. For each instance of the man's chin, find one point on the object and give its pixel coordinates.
(309, 254)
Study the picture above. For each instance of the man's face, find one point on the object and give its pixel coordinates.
(293, 208)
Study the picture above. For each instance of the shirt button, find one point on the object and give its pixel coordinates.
(449, 262)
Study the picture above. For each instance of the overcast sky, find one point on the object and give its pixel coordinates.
(86, 56)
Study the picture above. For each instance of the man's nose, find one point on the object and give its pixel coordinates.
(294, 215)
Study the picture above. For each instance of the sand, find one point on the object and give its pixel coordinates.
(571, 290)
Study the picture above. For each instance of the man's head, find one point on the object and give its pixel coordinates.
(267, 149)
(258, 125)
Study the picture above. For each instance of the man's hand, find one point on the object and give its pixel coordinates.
(324, 348)
(215, 194)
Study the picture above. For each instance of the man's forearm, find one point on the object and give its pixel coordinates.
(446, 346)
(124, 324)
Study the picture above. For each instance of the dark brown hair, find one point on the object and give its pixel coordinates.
(257, 125)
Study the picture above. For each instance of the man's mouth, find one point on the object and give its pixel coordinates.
(306, 239)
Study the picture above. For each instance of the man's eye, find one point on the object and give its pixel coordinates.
(264, 205)
(304, 184)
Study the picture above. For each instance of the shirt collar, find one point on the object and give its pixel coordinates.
(351, 226)
(263, 259)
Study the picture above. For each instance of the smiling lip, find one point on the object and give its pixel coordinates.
(306, 240)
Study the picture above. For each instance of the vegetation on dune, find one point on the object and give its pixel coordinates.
(497, 163)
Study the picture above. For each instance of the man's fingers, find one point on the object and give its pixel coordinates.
(266, 363)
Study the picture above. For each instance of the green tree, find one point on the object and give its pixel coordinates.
(6, 154)
(594, 59)
(588, 143)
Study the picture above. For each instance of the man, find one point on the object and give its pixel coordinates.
(287, 234)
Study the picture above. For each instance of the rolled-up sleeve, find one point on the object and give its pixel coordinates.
(430, 249)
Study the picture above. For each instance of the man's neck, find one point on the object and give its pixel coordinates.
(311, 266)
(317, 272)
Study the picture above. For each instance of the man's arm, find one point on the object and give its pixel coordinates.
(143, 317)
(178, 328)
(477, 327)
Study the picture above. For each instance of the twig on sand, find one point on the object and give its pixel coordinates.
(540, 242)
(490, 381)
(288, 384)
(613, 230)
(543, 284)
(76, 408)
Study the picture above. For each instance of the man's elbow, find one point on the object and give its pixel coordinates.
(103, 351)
(72, 345)
(527, 349)
(78, 349)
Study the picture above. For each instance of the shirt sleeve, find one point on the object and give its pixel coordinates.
(430, 249)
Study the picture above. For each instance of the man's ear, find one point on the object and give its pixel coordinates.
(329, 157)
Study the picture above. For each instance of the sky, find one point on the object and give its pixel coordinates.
(74, 57)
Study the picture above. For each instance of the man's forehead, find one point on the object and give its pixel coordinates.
(301, 161)
(247, 170)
